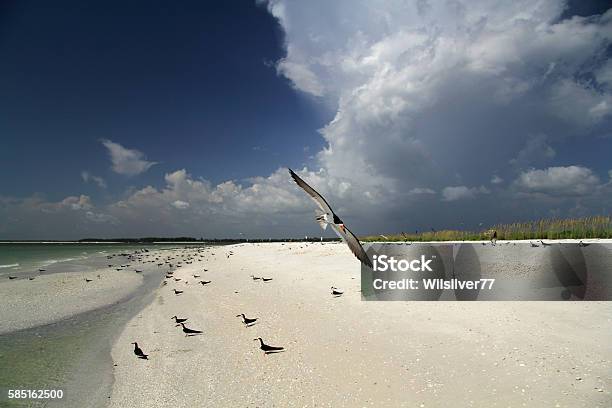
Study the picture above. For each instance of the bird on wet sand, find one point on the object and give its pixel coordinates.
(328, 217)
(268, 349)
(12, 277)
(335, 292)
(205, 282)
(88, 280)
(188, 331)
(247, 322)
(255, 277)
(178, 319)
(139, 353)
(177, 292)
(266, 279)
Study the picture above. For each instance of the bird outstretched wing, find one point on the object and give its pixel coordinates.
(348, 237)
(353, 244)
(316, 197)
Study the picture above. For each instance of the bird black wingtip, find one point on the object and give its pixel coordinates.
(292, 174)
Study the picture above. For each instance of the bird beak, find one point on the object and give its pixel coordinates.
(342, 228)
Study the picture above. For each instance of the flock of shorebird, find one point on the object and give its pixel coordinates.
(189, 256)
(177, 261)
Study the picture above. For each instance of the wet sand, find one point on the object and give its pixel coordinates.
(56, 330)
(342, 351)
(49, 298)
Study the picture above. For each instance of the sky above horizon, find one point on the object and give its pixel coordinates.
(161, 119)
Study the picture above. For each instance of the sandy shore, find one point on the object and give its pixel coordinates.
(48, 298)
(347, 352)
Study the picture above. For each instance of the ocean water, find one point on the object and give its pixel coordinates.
(72, 354)
(18, 259)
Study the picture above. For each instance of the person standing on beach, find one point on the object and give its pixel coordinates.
(494, 237)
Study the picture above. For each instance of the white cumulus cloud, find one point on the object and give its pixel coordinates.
(558, 181)
(129, 162)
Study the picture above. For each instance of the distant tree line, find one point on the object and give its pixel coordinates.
(149, 240)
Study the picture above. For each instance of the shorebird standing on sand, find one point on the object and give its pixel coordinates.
(268, 349)
(335, 292)
(188, 331)
(328, 217)
(247, 322)
(139, 353)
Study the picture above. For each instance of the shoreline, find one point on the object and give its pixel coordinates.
(47, 293)
(57, 330)
(346, 352)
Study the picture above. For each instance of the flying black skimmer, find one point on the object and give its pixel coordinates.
(268, 349)
(177, 292)
(178, 320)
(266, 279)
(188, 331)
(336, 292)
(247, 322)
(582, 244)
(139, 353)
(328, 217)
(204, 282)
(544, 244)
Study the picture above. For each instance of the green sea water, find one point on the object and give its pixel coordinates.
(72, 354)
(24, 258)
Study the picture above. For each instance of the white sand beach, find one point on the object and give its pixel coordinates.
(50, 298)
(342, 351)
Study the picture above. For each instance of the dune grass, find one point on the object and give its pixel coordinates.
(551, 228)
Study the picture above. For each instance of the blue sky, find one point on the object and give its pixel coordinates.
(168, 118)
(188, 83)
